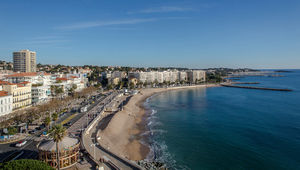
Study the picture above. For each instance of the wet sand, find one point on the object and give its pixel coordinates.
(122, 136)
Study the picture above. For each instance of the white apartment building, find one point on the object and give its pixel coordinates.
(118, 74)
(33, 77)
(6, 103)
(67, 83)
(195, 76)
(166, 76)
(41, 84)
(160, 77)
(192, 76)
(74, 80)
(174, 76)
(150, 77)
(20, 92)
(142, 76)
(182, 76)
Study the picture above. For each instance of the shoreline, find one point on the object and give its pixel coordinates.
(124, 134)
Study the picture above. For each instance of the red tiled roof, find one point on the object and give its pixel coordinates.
(3, 93)
(6, 83)
(73, 77)
(24, 82)
(27, 74)
(62, 79)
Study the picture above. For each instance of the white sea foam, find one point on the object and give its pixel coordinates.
(152, 118)
(161, 153)
(154, 132)
(153, 123)
(158, 148)
(153, 112)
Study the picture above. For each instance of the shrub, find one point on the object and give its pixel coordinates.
(25, 164)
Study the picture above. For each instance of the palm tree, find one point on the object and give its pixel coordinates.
(47, 122)
(58, 132)
(54, 117)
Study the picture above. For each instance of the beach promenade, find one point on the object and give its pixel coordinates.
(96, 151)
(112, 139)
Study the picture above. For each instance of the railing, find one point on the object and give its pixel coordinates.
(120, 159)
(14, 95)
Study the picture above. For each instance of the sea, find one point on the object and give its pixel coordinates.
(228, 128)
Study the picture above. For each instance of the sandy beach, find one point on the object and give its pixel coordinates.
(122, 135)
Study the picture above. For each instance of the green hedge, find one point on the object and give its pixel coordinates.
(25, 164)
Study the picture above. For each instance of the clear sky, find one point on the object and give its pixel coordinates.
(183, 33)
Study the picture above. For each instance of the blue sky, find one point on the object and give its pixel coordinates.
(182, 33)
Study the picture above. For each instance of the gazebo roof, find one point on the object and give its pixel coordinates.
(66, 143)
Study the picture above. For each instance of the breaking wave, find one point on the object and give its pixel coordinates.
(158, 148)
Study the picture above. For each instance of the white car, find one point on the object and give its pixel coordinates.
(21, 143)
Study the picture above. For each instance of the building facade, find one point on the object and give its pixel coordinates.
(21, 93)
(196, 76)
(24, 61)
(5, 103)
(41, 84)
(174, 76)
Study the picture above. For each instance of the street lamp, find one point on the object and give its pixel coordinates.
(87, 119)
(94, 144)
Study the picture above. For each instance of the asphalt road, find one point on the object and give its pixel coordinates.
(29, 150)
(89, 141)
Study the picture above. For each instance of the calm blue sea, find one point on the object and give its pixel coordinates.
(228, 128)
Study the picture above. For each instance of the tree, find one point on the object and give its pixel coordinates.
(72, 89)
(110, 86)
(131, 85)
(47, 121)
(140, 84)
(54, 117)
(52, 87)
(11, 130)
(74, 86)
(25, 164)
(121, 84)
(59, 90)
(58, 132)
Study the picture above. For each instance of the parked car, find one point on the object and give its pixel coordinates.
(83, 109)
(21, 143)
(67, 124)
(32, 131)
(45, 134)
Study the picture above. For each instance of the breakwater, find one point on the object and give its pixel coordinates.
(252, 87)
(245, 83)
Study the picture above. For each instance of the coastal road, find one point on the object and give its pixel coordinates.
(82, 122)
(98, 152)
(28, 151)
